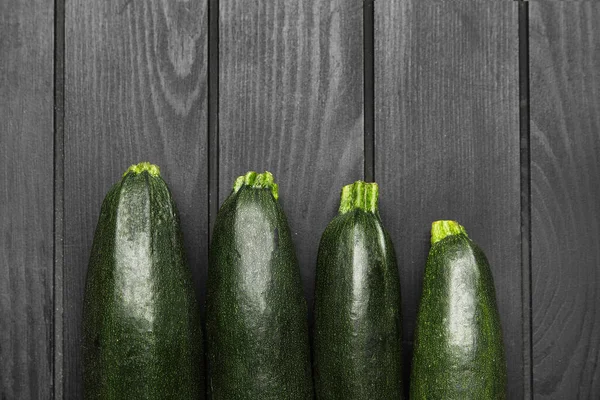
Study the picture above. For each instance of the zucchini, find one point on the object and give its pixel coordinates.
(141, 329)
(358, 325)
(256, 326)
(458, 351)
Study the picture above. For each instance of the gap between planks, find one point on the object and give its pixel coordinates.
(213, 114)
(369, 89)
(58, 198)
(525, 178)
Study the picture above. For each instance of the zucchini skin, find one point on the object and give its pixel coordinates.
(458, 351)
(358, 325)
(142, 335)
(256, 315)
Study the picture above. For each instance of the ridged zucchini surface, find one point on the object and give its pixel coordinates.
(358, 324)
(141, 328)
(458, 349)
(256, 315)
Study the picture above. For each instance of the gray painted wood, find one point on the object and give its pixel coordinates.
(565, 161)
(59, 197)
(26, 188)
(291, 102)
(135, 90)
(447, 144)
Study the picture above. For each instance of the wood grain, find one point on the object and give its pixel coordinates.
(565, 145)
(26, 189)
(447, 144)
(135, 90)
(291, 102)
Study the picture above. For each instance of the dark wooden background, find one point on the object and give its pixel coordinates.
(480, 111)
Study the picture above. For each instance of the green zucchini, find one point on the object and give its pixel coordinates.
(141, 329)
(256, 326)
(357, 326)
(458, 350)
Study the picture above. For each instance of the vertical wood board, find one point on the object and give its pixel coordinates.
(291, 102)
(135, 90)
(447, 144)
(26, 190)
(565, 172)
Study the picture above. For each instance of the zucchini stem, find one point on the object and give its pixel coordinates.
(444, 228)
(359, 196)
(257, 181)
(143, 167)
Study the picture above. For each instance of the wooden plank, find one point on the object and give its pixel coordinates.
(26, 189)
(565, 142)
(447, 144)
(135, 90)
(59, 196)
(291, 102)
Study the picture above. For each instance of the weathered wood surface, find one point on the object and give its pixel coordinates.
(294, 97)
(565, 161)
(26, 189)
(291, 102)
(135, 90)
(447, 144)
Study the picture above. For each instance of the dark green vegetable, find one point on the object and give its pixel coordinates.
(357, 328)
(458, 351)
(257, 334)
(141, 328)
